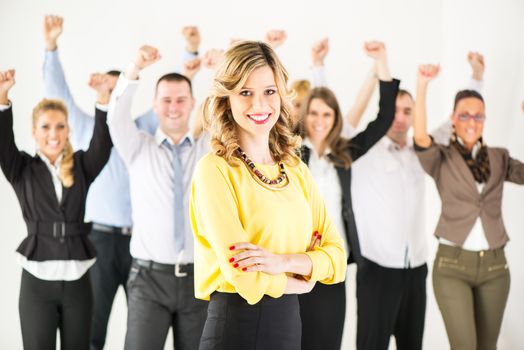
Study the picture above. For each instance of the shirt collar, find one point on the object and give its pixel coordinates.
(307, 142)
(47, 162)
(161, 137)
(392, 146)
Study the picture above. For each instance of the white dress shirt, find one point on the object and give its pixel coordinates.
(151, 179)
(388, 202)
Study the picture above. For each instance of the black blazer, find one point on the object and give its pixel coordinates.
(56, 231)
(358, 146)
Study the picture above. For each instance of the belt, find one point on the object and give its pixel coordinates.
(58, 229)
(179, 270)
(126, 231)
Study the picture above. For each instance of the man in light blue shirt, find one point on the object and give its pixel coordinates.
(108, 201)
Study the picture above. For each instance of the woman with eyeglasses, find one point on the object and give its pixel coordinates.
(470, 274)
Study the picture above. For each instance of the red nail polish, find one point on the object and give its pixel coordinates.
(232, 259)
(244, 269)
(235, 265)
(316, 233)
(232, 247)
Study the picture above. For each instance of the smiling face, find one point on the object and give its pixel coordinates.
(256, 108)
(468, 120)
(173, 104)
(319, 121)
(51, 132)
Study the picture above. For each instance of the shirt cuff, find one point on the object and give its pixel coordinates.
(103, 108)
(5, 107)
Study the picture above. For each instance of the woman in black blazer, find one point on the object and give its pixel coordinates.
(323, 310)
(52, 188)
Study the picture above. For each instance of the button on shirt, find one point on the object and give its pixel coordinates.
(151, 178)
(388, 201)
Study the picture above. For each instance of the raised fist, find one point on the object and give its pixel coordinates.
(319, 51)
(53, 26)
(192, 37)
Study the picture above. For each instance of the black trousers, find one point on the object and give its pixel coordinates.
(158, 300)
(46, 306)
(323, 312)
(390, 302)
(110, 271)
(272, 323)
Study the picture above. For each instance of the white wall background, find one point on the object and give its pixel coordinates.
(105, 34)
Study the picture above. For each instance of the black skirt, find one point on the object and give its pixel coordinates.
(272, 323)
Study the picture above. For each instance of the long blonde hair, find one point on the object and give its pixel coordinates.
(239, 62)
(66, 167)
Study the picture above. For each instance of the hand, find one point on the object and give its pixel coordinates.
(275, 38)
(53, 26)
(427, 72)
(476, 61)
(191, 68)
(192, 36)
(101, 83)
(146, 56)
(522, 106)
(212, 58)
(7, 80)
(315, 241)
(254, 258)
(375, 50)
(319, 52)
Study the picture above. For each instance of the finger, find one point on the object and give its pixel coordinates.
(250, 262)
(246, 255)
(243, 245)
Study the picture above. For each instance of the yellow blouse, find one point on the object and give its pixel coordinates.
(228, 206)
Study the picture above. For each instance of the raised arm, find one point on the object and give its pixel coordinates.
(56, 87)
(96, 156)
(425, 74)
(363, 96)
(12, 160)
(388, 87)
(124, 132)
(319, 51)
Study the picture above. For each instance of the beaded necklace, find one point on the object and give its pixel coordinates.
(279, 183)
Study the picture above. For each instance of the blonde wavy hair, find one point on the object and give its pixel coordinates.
(66, 167)
(238, 63)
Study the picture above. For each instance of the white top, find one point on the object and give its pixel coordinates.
(326, 179)
(55, 270)
(388, 202)
(151, 179)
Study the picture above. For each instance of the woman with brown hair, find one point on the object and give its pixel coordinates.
(254, 208)
(471, 278)
(51, 187)
(329, 157)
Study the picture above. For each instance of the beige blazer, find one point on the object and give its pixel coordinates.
(461, 201)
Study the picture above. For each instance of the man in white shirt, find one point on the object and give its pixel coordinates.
(388, 201)
(160, 285)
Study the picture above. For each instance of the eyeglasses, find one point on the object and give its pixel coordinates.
(464, 117)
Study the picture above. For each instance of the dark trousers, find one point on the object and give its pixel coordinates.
(110, 271)
(272, 323)
(471, 289)
(323, 312)
(158, 300)
(390, 302)
(46, 306)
